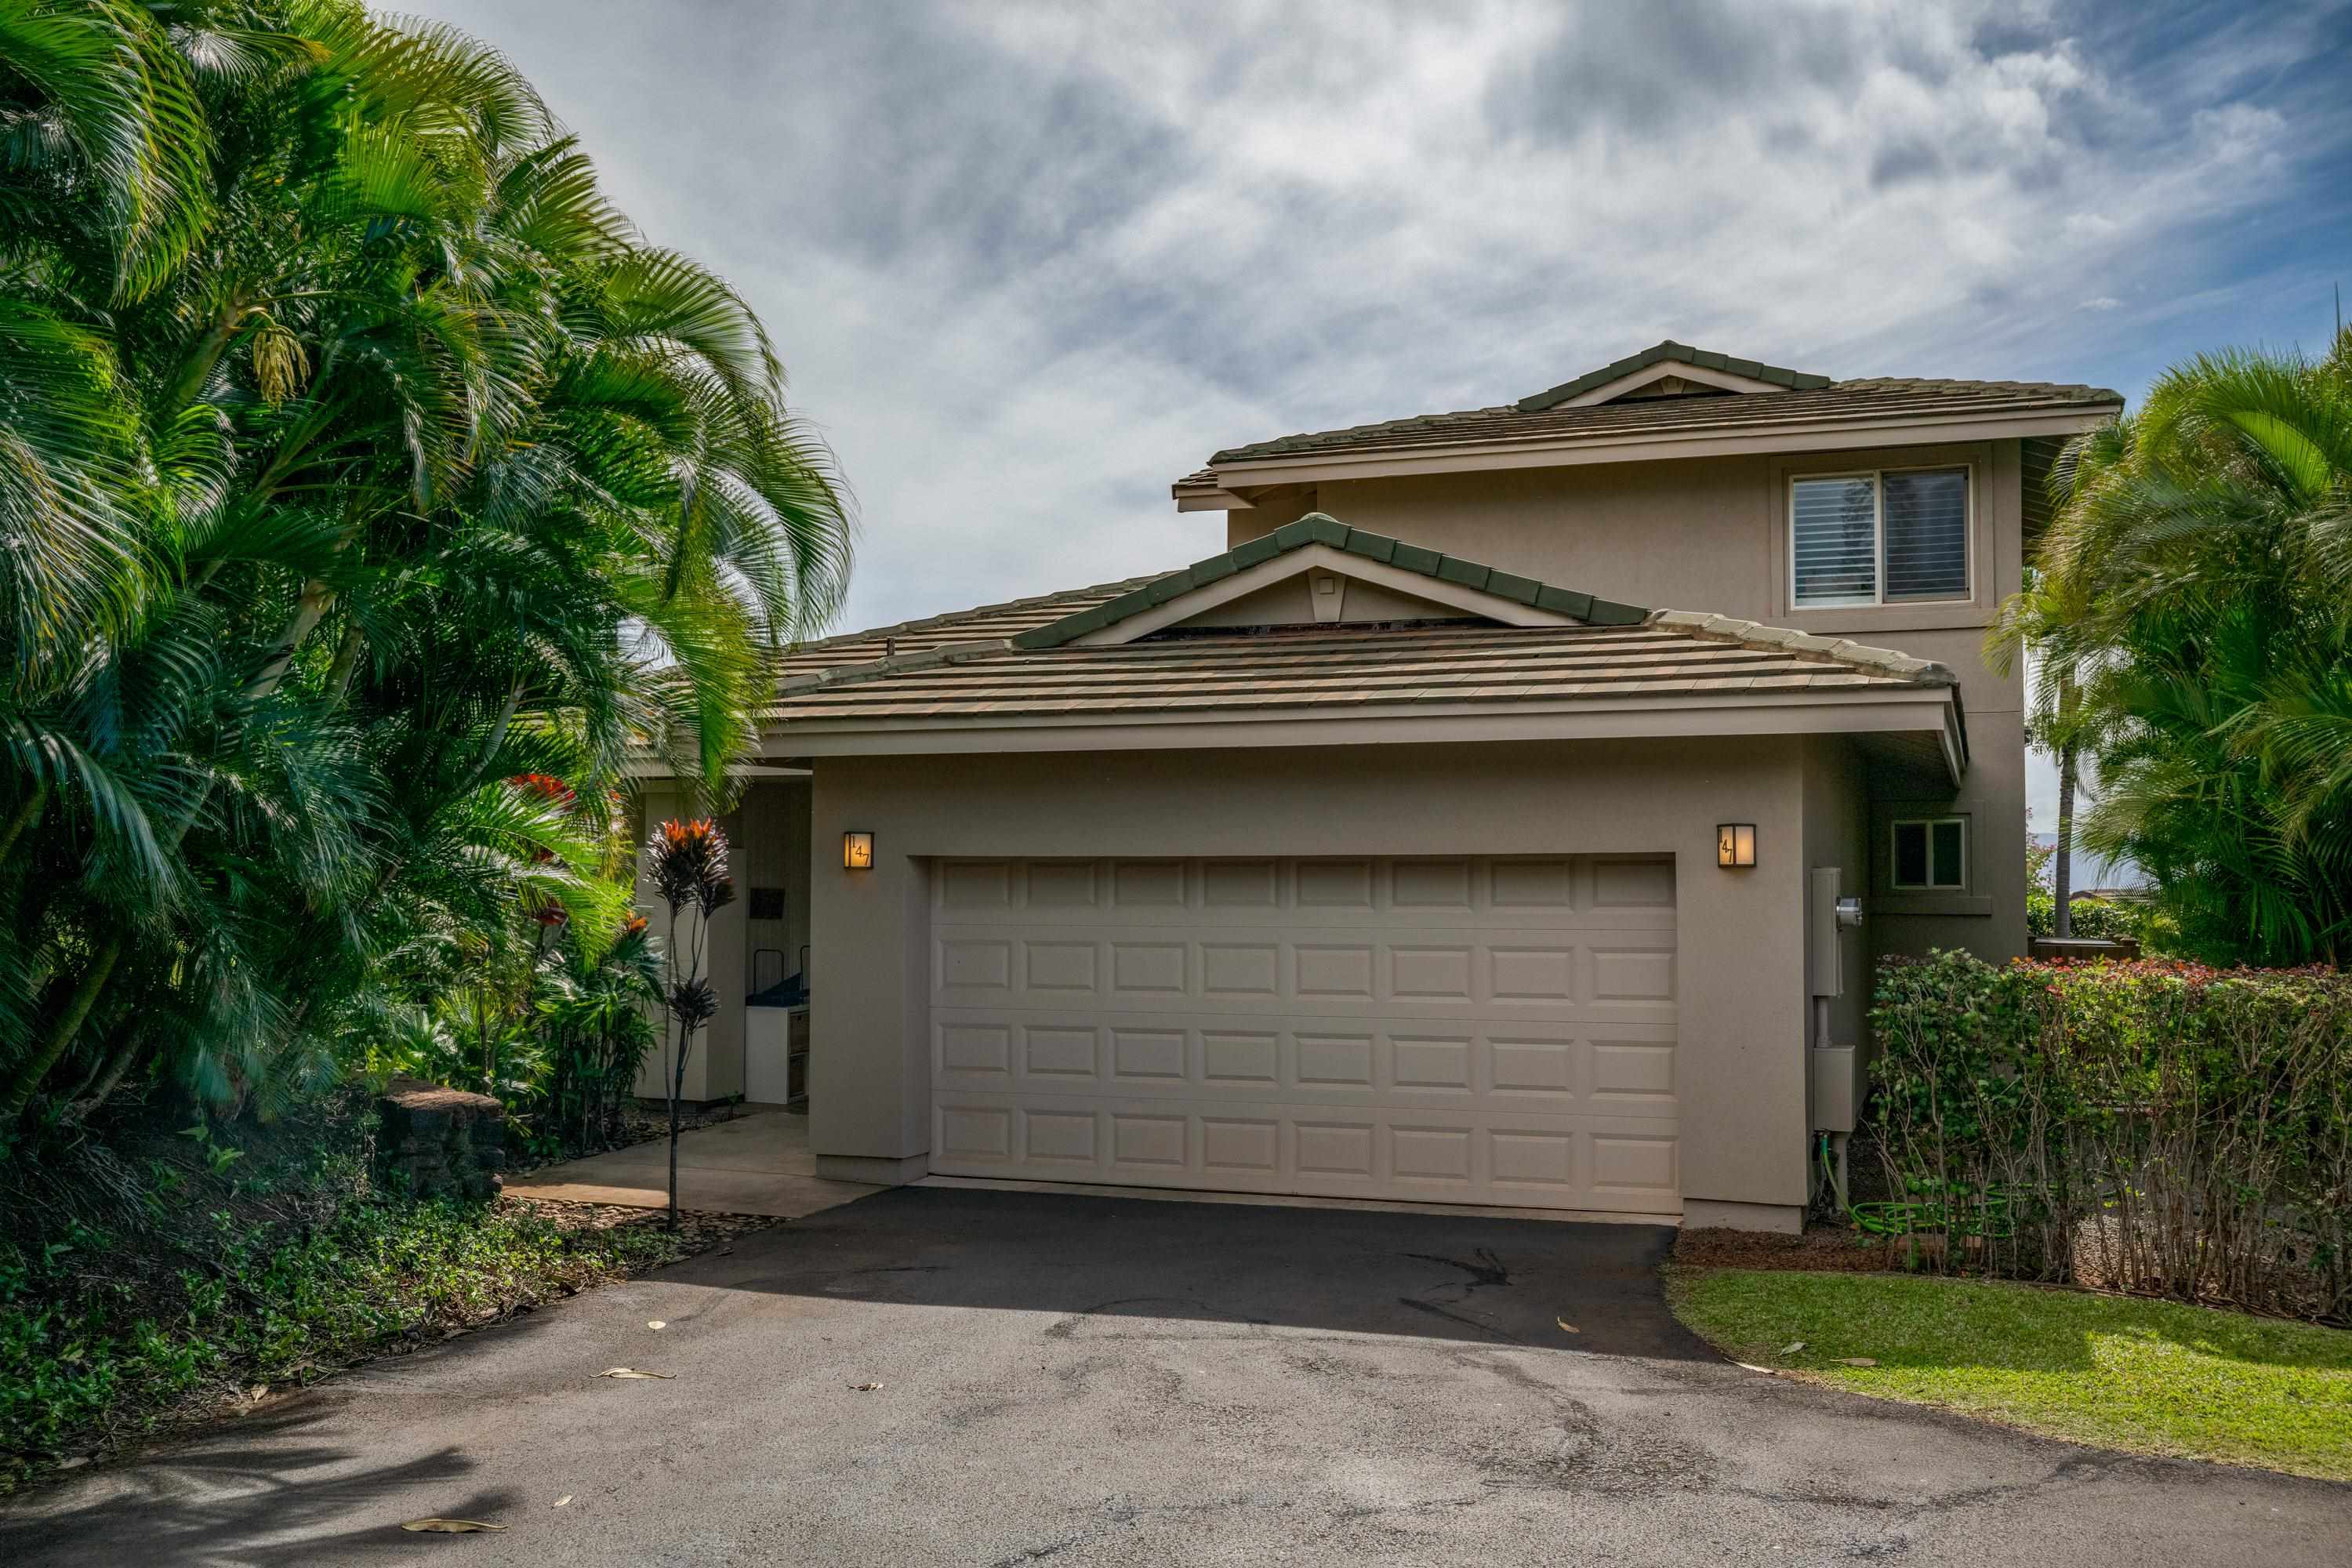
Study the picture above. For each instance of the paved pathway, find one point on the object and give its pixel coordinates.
(1080, 1379)
(757, 1164)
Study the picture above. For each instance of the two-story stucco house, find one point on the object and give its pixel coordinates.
(1472, 829)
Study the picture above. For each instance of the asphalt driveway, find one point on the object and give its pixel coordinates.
(1078, 1379)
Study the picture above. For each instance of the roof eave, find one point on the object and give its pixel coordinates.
(1731, 438)
(1917, 709)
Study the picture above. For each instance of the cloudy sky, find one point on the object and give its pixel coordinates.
(1029, 263)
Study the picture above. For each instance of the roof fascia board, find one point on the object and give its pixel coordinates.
(1610, 391)
(1213, 500)
(1824, 436)
(1319, 558)
(1927, 710)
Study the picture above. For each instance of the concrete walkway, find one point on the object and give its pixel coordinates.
(757, 1164)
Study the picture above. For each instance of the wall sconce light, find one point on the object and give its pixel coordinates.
(858, 851)
(1735, 844)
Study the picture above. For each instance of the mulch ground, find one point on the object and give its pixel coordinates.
(698, 1230)
(1821, 1249)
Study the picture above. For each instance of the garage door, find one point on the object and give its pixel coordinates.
(1478, 1031)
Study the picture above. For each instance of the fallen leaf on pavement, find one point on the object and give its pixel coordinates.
(1569, 1327)
(564, 1498)
(656, 1323)
(864, 1387)
(450, 1526)
(1853, 1361)
(633, 1371)
(257, 1390)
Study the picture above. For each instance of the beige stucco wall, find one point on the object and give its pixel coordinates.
(1710, 534)
(1740, 974)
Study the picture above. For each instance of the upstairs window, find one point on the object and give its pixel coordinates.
(1889, 537)
(1930, 854)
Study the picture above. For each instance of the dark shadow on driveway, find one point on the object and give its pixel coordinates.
(1094, 1260)
(254, 1492)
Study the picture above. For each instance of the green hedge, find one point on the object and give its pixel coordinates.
(2153, 1127)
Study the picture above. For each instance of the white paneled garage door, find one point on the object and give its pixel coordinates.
(1482, 1031)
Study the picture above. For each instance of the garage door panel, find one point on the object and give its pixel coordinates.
(1614, 891)
(1446, 1028)
(1290, 917)
(1524, 973)
(1333, 1152)
(1059, 966)
(1046, 885)
(1518, 1067)
(1630, 884)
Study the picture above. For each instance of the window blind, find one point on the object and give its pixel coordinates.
(1834, 531)
(1927, 534)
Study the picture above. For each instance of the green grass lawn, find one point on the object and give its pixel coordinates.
(2147, 1377)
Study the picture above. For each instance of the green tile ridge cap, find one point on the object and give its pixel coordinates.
(1322, 527)
(1680, 353)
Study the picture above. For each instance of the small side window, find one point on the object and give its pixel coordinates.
(1930, 853)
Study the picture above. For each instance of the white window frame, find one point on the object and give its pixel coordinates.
(1930, 824)
(1877, 477)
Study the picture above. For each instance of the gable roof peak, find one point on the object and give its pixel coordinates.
(1318, 528)
(1669, 351)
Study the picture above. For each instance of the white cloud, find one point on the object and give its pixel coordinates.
(1030, 262)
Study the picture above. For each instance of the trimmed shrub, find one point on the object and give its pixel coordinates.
(2153, 1127)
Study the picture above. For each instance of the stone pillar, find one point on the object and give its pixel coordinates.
(440, 1142)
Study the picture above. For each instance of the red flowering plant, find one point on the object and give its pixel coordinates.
(687, 864)
(556, 792)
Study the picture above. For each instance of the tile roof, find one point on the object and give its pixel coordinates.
(987, 623)
(1675, 353)
(1321, 528)
(1874, 398)
(1322, 670)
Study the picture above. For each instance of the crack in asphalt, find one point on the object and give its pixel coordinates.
(1067, 1328)
(1125, 1515)
(1118, 1516)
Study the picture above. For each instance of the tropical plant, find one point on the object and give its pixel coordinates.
(597, 1023)
(2157, 1128)
(555, 1029)
(2100, 919)
(2191, 617)
(687, 866)
(356, 458)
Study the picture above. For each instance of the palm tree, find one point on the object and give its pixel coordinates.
(359, 457)
(2194, 595)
